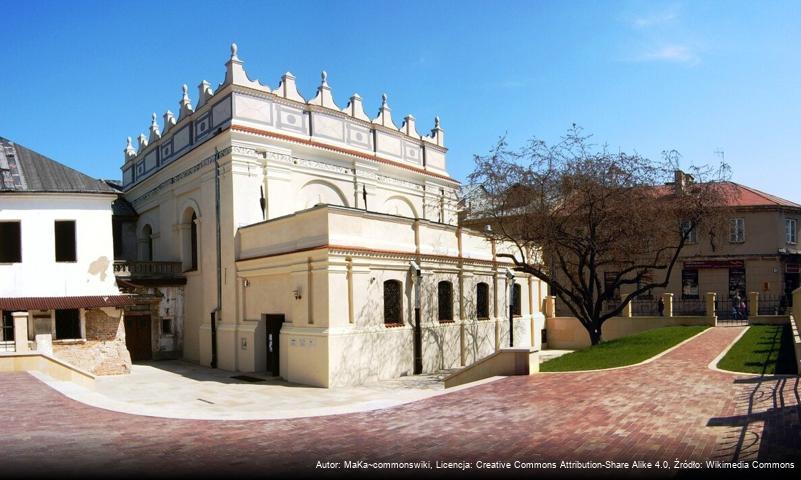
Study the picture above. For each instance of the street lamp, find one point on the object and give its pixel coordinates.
(418, 337)
(510, 277)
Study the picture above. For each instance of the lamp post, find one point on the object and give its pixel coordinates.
(510, 276)
(418, 337)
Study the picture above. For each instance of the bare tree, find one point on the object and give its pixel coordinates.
(589, 221)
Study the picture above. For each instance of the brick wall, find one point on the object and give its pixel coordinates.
(104, 351)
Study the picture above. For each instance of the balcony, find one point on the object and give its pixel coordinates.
(149, 273)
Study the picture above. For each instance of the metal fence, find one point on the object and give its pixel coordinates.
(689, 307)
(774, 304)
(645, 307)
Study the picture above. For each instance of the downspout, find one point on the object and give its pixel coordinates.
(216, 316)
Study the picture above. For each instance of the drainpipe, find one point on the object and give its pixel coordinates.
(216, 314)
(417, 333)
(510, 276)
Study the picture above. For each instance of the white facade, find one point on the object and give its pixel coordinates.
(39, 274)
(280, 156)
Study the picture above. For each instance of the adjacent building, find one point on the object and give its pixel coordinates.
(56, 263)
(308, 236)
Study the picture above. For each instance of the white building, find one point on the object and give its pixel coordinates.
(297, 222)
(56, 252)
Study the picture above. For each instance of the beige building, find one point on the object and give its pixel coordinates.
(760, 253)
(307, 234)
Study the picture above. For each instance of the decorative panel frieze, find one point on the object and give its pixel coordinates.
(359, 136)
(292, 119)
(327, 126)
(181, 139)
(301, 162)
(221, 112)
(151, 160)
(389, 145)
(253, 109)
(203, 126)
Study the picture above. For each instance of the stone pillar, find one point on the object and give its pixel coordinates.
(550, 306)
(667, 299)
(753, 304)
(710, 304)
(627, 311)
(20, 331)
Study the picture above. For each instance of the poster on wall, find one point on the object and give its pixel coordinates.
(689, 284)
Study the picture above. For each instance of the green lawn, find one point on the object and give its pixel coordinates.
(622, 351)
(764, 349)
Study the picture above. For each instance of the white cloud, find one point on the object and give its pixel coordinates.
(655, 19)
(670, 53)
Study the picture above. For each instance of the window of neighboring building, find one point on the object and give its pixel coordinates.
(791, 230)
(65, 241)
(147, 243)
(689, 283)
(166, 326)
(737, 230)
(10, 242)
(517, 299)
(193, 241)
(482, 300)
(68, 324)
(445, 301)
(393, 308)
(688, 230)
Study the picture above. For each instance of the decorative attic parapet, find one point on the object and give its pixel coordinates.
(285, 114)
(324, 97)
(186, 104)
(384, 117)
(155, 133)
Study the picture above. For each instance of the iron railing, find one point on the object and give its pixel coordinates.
(689, 307)
(645, 307)
(124, 268)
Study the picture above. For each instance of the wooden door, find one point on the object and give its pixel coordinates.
(273, 326)
(137, 337)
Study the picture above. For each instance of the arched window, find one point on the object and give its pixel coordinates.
(482, 300)
(193, 241)
(445, 301)
(147, 244)
(517, 299)
(393, 307)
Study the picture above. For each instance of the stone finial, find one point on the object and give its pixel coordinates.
(204, 93)
(235, 72)
(409, 127)
(437, 133)
(169, 121)
(129, 150)
(384, 117)
(355, 108)
(142, 143)
(155, 133)
(324, 97)
(288, 89)
(185, 103)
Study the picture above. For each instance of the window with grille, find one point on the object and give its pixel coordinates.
(445, 301)
(482, 300)
(393, 308)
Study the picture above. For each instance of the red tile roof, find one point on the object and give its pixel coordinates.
(53, 303)
(751, 197)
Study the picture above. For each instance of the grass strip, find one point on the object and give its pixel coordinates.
(622, 351)
(764, 350)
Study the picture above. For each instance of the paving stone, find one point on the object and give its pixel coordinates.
(671, 408)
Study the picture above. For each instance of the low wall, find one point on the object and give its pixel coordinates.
(769, 319)
(103, 352)
(507, 361)
(568, 333)
(50, 366)
(796, 343)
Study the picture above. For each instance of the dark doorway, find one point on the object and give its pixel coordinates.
(273, 324)
(137, 337)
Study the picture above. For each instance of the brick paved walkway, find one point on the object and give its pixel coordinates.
(674, 407)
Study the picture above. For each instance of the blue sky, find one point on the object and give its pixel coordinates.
(699, 77)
